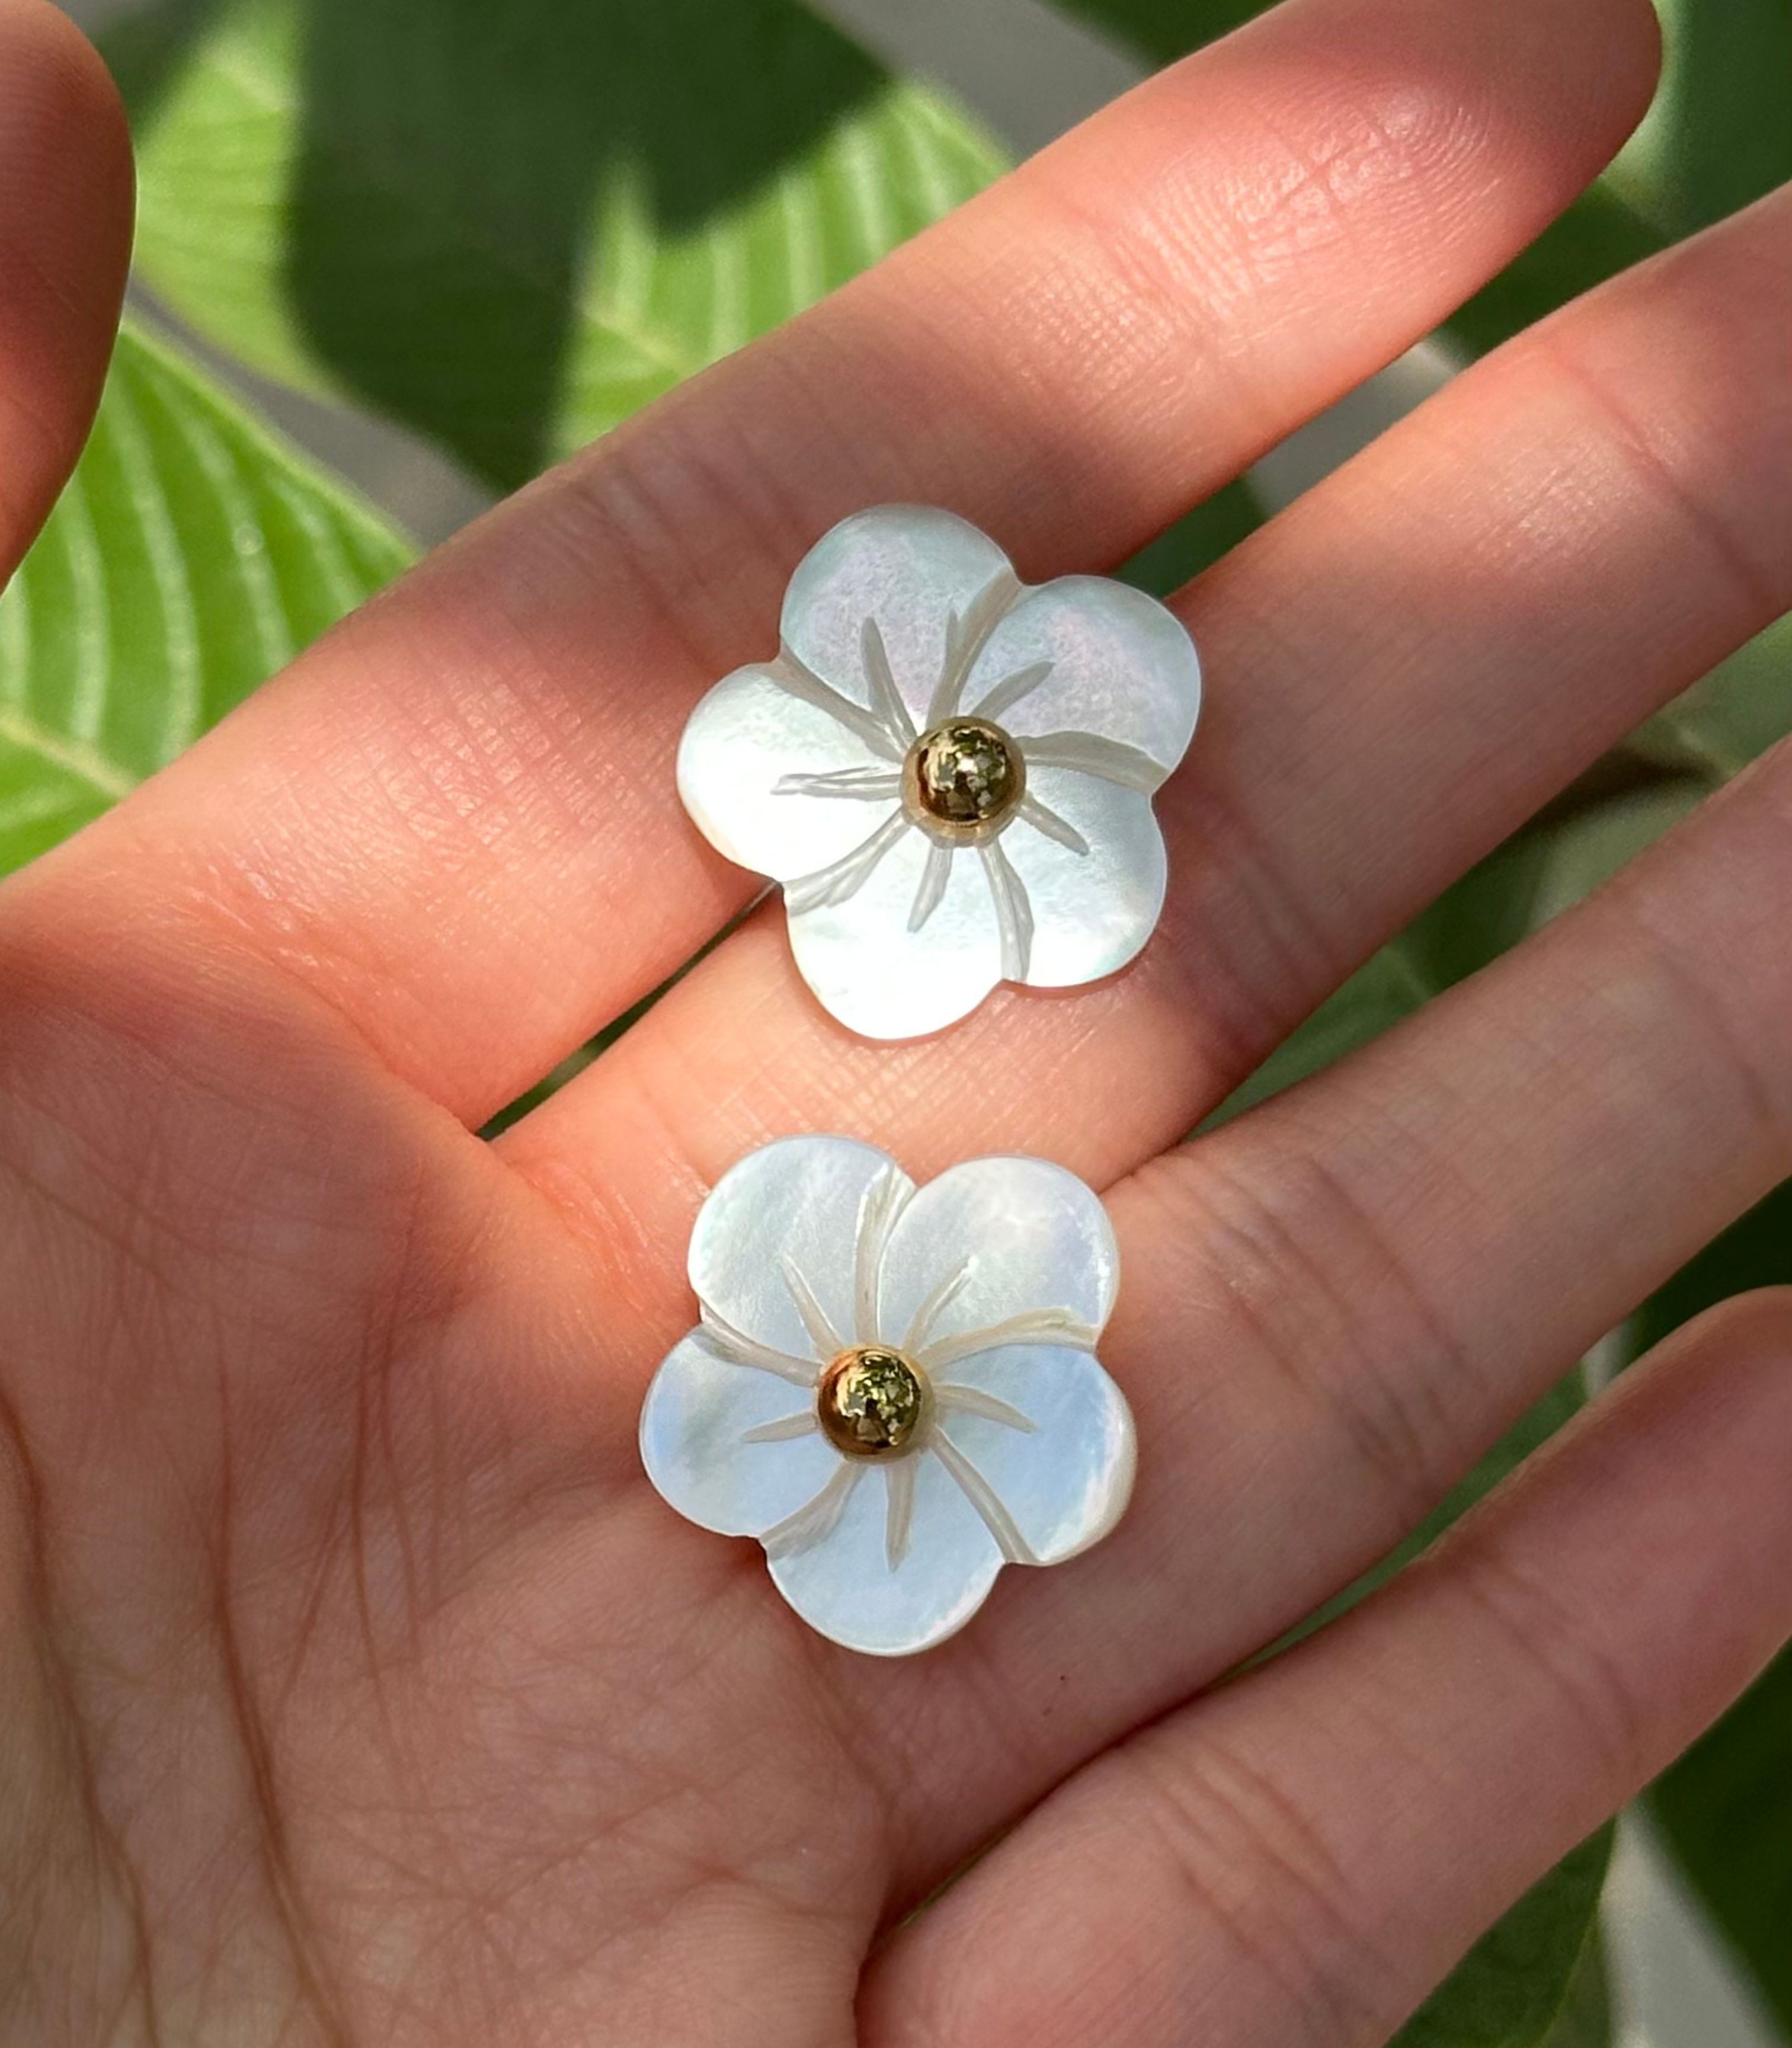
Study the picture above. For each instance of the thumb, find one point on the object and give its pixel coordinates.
(65, 216)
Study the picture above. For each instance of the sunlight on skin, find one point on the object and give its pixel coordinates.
(357, 1688)
(1069, 363)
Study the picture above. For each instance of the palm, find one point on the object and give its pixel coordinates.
(362, 1690)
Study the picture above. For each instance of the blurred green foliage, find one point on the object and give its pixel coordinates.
(506, 227)
(191, 554)
(509, 227)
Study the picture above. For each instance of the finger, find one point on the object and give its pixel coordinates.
(1331, 1306)
(1299, 1858)
(1348, 1294)
(65, 207)
(456, 818)
(1408, 663)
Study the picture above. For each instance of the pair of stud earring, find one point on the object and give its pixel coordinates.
(950, 773)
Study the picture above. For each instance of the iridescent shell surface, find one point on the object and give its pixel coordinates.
(992, 1284)
(900, 623)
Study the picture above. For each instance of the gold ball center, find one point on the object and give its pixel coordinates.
(871, 1402)
(962, 778)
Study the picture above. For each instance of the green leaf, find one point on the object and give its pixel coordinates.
(510, 226)
(1571, 847)
(1719, 132)
(1718, 136)
(1605, 230)
(1162, 30)
(1533, 1430)
(1566, 851)
(1715, 729)
(1599, 235)
(1195, 542)
(1755, 1252)
(1725, 1810)
(1390, 986)
(1535, 1979)
(1584, 2018)
(190, 556)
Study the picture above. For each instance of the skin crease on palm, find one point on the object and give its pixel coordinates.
(355, 1686)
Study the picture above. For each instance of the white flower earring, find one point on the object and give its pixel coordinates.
(950, 771)
(894, 1388)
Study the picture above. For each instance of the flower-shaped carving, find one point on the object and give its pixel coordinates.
(894, 1388)
(950, 771)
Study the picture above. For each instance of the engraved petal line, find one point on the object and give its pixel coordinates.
(881, 1203)
(868, 784)
(1007, 691)
(786, 1427)
(898, 1513)
(892, 712)
(1112, 760)
(842, 880)
(827, 1340)
(955, 1398)
(1043, 819)
(1013, 910)
(985, 1499)
(816, 1520)
(965, 633)
(1054, 1326)
(934, 876)
(733, 1347)
(939, 1299)
(791, 673)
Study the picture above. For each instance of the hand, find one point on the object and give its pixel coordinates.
(357, 1687)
